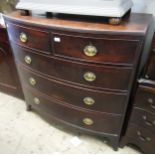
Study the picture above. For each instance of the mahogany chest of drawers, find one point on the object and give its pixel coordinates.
(141, 127)
(9, 80)
(80, 72)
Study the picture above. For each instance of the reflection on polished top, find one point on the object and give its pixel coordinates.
(137, 23)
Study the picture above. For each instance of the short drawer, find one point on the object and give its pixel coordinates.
(87, 120)
(107, 102)
(99, 50)
(142, 137)
(30, 38)
(143, 118)
(145, 98)
(89, 75)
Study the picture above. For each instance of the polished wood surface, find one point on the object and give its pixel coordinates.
(141, 137)
(109, 50)
(9, 81)
(74, 115)
(74, 95)
(142, 116)
(74, 59)
(136, 24)
(73, 72)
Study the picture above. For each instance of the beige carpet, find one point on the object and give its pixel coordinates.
(26, 132)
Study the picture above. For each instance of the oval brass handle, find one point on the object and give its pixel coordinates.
(150, 100)
(89, 76)
(142, 138)
(90, 50)
(23, 37)
(149, 123)
(88, 121)
(89, 101)
(32, 81)
(36, 100)
(152, 106)
(28, 59)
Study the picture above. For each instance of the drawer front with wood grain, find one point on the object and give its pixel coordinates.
(106, 102)
(143, 118)
(30, 38)
(88, 75)
(142, 137)
(96, 122)
(93, 49)
(150, 73)
(145, 98)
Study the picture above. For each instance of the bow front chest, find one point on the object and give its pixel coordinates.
(79, 72)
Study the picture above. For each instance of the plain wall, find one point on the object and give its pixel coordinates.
(144, 6)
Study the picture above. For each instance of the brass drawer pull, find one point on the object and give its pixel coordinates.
(142, 138)
(89, 101)
(90, 50)
(28, 59)
(23, 37)
(89, 76)
(149, 123)
(152, 106)
(36, 100)
(88, 121)
(150, 100)
(32, 81)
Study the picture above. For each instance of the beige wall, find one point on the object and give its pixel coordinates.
(7, 5)
(144, 6)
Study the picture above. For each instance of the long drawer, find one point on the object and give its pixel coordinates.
(83, 74)
(92, 121)
(101, 101)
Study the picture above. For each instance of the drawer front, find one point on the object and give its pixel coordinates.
(143, 118)
(76, 96)
(99, 50)
(142, 137)
(79, 73)
(151, 66)
(145, 99)
(85, 119)
(30, 38)
(153, 42)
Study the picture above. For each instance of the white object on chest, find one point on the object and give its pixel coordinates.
(107, 8)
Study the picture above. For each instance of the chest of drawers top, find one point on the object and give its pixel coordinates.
(136, 24)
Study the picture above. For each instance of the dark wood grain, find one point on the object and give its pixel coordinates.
(36, 39)
(74, 115)
(143, 118)
(145, 97)
(109, 50)
(106, 102)
(73, 71)
(58, 68)
(133, 138)
(9, 81)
